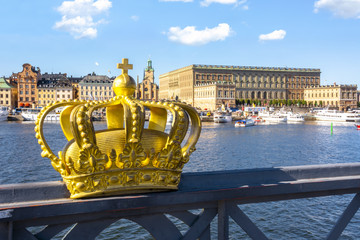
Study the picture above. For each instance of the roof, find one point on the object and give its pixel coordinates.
(54, 83)
(5, 84)
(96, 80)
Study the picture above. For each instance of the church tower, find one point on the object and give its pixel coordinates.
(149, 72)
(147, 89)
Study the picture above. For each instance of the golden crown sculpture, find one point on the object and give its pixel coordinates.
(126, 157)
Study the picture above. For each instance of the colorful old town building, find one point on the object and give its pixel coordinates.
(96, 87)
(218, 85)
(8, 94)
(54, 87)
(27, 86)
(147, 89)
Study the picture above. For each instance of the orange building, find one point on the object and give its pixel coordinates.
(27, 86)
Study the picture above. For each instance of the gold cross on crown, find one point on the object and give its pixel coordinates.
(125, 66)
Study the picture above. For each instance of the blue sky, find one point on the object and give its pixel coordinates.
(83, 36)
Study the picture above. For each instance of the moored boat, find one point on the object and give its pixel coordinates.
(273, 118)
(291, 117)
(222, 117)
(245, 123)
(3, 113)
(357, 126)
(32, 113)
(336, 116)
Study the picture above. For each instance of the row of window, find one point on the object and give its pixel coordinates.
(4, 102)
(26, 99)
(26, 86)
(2, 95)
(96, 87)
(255, 78)
(109, 93)
(267, 85)
(27, 92)
(47, 90)
(344, 95)
(259, 95)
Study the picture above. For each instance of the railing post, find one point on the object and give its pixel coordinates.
(6, 230)
(223, 221)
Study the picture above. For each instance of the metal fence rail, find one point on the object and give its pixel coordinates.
(219, 194)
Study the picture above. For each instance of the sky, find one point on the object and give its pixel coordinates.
(79, 37)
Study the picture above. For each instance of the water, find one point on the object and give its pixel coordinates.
(221, 147)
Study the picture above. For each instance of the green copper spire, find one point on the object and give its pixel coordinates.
(149, 66)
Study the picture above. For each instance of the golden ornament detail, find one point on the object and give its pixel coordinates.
(126, 157)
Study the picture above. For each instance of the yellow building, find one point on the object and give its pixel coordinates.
(209, 96)
(54, 90)
(27, 86)
(96, 87)
(261, 83)
(340, 96)
(8, 94)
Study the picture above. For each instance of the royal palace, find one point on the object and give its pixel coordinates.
(210, 86)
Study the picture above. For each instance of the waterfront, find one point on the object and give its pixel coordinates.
(223, 147)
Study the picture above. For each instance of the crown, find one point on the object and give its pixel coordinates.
(126, 157)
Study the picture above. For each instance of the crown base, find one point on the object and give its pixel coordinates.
(124, 191)
(122, 183)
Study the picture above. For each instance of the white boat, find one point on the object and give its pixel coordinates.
(32, 113)
(291, 117)
(169, 118)
(222, 117)
(336, 116)
(3, 113)
(272, 117)
(245, 123)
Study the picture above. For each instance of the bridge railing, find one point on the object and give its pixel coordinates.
(218, 194)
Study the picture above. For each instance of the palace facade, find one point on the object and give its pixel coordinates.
(339, 96)
(147, 89)
(217, 85)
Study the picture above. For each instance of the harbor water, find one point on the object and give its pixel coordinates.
(221, 147)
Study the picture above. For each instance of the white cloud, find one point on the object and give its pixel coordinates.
(135, 18)
(341, 8)
(96, 63)
(206, 3)
(275, 35)
(190, 36)
(78, 16)
(176, 0)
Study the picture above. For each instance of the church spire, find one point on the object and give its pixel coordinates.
(149, 66)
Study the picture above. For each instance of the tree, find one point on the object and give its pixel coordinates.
(315, 104)
(320, 103)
